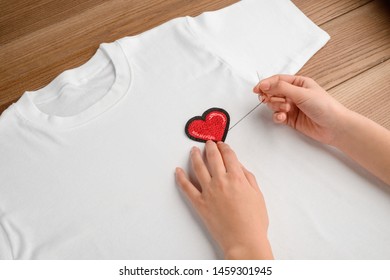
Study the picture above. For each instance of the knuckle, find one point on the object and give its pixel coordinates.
(302, 81)
(250, 174)
(308, 79)
(276, 82)
(235, 178)
(220, 182)
(199, 204)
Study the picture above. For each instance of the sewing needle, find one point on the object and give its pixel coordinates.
(250, 110)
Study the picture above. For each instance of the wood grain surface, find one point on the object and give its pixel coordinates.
(42, 38)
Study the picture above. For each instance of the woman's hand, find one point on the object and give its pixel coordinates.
(304, 105)
(229, 202)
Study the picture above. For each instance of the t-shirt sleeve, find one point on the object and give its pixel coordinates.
(269, 37)
(5, 249)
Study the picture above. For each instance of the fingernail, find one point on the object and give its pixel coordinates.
(279, 117)
(193, 149)
(265, 85)
(261, 98)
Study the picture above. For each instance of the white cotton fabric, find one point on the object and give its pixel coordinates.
(87, 162)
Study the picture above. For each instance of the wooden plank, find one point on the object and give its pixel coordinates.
(18, 18)
(368, 93)
(360, 40)
(324, 11)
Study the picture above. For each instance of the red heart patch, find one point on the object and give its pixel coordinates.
(212, 125)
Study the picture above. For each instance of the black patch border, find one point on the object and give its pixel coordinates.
(203, 118)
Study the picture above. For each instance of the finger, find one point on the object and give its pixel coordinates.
(229, 158)
(280, 107)
(287, 86)
(192, 193)
(299, 81)
(264, 85)
(214, 159)
(280, 117)
(277, 99)
(263, 98)
(199, 167)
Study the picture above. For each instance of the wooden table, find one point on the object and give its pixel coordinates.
(41, 38)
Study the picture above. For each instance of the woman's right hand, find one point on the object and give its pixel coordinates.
(302, 104)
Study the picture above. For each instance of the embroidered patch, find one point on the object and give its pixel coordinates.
(212, 125)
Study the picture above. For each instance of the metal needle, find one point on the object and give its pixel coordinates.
(250, 110)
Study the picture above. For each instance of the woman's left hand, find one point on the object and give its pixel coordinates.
(229, 202)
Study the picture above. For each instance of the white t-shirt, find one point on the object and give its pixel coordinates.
(87, 163)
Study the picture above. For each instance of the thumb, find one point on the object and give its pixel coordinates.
(292, 87)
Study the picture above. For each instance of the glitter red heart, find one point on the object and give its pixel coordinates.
(212, 125)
